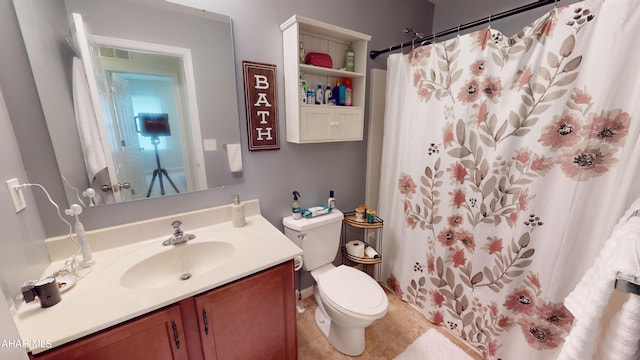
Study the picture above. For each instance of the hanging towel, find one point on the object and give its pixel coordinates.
(234, 154)
(622, 339)
(86, 122)
(621, 253)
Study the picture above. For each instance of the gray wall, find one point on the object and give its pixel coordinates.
(270, 176)
(23, 256)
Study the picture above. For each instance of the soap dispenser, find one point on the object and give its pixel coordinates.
(237, 212)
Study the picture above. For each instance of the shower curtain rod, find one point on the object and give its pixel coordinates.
(425, 39)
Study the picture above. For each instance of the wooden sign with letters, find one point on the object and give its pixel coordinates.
(261, 105)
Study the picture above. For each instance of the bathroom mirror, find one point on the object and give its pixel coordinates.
(160, 85)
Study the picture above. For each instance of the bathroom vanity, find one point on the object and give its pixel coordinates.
(240, 304)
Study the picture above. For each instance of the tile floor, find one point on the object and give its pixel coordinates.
(385, 338)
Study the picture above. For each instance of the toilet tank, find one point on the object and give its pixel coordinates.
(318, 237)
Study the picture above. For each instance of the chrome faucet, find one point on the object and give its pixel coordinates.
(178, 237)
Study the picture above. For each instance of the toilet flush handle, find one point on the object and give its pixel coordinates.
(302, 237)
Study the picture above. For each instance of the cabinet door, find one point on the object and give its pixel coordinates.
(253, 318)
(348, 123)
(157, 336)
(316, 123)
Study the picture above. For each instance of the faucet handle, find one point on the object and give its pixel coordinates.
(177, 226)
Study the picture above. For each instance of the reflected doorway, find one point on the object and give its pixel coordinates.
(143, 82)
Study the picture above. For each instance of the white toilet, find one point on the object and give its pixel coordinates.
(348, 299)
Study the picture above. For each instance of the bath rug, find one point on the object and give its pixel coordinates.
(432, 345)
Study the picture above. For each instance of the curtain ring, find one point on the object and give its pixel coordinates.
(413, 43)
(458, 33)
(490, 18)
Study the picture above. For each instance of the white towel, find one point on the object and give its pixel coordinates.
(86, 122)
(623, 338)
(621, 253)
(234, 154)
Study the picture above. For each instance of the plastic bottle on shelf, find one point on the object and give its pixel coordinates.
(336, 92)
(350, 60)
(302, 91)
(311, 97)
(319, 95)
(340, 93)
(328, 96)
(348, 96)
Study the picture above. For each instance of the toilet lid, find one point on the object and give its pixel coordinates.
(353, 290)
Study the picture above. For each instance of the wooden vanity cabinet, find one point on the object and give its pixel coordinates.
(158, 336)
(251, 318)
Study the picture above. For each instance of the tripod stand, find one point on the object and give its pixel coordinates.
(159, 171)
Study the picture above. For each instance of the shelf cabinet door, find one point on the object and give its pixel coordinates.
(316, 123)
(157, 336)
(253, 318)
(348, 124)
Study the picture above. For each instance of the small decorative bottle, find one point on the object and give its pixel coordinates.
(302, 53)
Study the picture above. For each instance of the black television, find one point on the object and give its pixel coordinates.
(154, 124)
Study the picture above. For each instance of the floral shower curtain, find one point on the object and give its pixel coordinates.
(506, 164)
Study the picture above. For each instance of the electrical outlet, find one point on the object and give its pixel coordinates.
(17, 198)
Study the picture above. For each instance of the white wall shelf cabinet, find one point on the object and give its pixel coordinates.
(323, 123)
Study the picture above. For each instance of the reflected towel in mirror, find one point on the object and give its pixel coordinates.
(234, 154)
(90, 140)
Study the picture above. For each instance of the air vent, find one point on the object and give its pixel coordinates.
(115, 54)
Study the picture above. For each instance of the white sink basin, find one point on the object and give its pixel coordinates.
(177, 263)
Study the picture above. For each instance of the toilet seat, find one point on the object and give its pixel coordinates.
(352, 292)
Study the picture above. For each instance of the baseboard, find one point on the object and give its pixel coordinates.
(306, 292)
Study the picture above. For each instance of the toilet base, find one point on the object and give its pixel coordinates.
(347, 340)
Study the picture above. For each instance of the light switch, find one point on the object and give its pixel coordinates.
(210, 145)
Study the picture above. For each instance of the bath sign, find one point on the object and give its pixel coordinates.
(261, 105)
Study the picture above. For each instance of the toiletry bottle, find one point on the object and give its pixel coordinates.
(302, 53)
(342, 94)
(295, 207)
(328, 95)
(237, 212)
(302, 92)
(311, 97)
(319, 95)
(348, 96)
(336, 92)
(332, 200)
(350, 60)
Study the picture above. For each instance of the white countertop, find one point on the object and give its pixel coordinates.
(98, 300)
